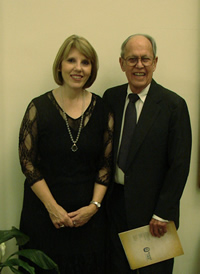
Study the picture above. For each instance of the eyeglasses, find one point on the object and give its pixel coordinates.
(132, 61)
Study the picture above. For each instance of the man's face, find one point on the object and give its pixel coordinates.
(139, 76)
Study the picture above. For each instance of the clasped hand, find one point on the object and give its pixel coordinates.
(61, 218)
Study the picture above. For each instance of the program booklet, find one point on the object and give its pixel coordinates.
(142, 249)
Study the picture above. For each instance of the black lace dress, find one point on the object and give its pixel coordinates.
(45, 153)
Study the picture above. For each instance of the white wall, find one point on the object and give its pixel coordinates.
(31, 31)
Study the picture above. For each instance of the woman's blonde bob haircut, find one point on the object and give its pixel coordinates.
(82, 45)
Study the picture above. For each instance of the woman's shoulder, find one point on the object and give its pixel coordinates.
(97, 97)
(100, 104)
(42, 97)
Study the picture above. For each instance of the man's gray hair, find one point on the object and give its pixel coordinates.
(151, 39)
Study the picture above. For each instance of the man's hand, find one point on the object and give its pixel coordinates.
(157, 228)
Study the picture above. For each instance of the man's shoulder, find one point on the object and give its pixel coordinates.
(116, 89)
(166, 93)
(119, 87)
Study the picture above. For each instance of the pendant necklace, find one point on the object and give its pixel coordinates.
(74, 147)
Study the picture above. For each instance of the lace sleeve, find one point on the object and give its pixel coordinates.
(104, 174)
(28, 145)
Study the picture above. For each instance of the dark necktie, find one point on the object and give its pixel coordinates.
(129, 126)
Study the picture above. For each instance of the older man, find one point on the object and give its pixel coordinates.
(152, 146)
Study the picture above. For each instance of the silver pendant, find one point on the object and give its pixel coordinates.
(74, 148)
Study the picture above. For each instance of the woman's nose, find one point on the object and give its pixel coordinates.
(78, 66)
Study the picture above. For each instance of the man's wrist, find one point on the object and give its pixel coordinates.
(159, 219)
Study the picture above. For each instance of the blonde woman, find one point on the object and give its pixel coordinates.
(65, 149)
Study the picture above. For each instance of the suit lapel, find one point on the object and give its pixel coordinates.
(148, 115)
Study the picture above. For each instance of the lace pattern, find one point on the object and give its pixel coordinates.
(28, 142)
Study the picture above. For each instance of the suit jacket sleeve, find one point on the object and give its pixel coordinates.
(179, 150)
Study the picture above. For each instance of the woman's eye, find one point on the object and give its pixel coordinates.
(86, 62)
(71, 60)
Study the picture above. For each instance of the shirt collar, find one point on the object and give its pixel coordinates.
(142, 94)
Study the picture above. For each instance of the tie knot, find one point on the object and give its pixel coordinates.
(133, 97)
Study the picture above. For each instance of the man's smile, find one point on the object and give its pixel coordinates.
(139, 73)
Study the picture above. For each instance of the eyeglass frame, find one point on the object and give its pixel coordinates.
(138, 58)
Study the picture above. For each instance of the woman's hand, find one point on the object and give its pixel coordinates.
(60, 217)
(82, 215)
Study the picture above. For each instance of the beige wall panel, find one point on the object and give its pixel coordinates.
(31, 32)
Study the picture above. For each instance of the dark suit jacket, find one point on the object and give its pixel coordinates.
(159, 156)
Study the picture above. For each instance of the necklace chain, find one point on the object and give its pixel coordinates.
(74, 147)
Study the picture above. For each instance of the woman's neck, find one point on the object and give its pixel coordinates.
(73, 102)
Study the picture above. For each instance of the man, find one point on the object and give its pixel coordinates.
(148, 182)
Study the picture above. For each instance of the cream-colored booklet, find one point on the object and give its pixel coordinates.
(143, 249)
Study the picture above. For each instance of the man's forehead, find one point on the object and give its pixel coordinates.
(139, 43)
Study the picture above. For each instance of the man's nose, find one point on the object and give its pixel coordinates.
(139, 63)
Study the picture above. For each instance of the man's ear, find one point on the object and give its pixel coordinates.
(155, 63)
(122, 63)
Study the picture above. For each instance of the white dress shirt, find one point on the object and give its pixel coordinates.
(119, 174)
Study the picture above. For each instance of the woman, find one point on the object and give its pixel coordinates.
(65, 149)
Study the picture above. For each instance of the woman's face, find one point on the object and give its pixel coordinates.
(76, 69)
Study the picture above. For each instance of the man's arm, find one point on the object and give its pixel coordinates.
(179, 151)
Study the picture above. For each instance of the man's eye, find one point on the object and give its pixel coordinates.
(132, 60)
(145, 60)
